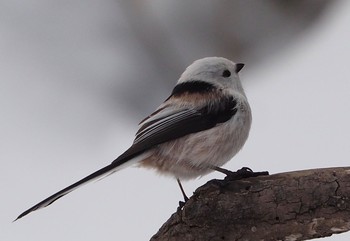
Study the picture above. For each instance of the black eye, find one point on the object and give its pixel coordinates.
(226, 73)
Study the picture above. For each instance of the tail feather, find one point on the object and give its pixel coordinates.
(103, 172)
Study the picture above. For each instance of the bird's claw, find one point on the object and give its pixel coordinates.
(244, 172)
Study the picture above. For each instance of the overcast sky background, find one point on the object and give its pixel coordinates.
(66, 91)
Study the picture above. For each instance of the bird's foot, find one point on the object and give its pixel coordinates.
(182, 204)
(244, 172)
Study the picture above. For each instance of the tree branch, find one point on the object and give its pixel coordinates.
(297, 205)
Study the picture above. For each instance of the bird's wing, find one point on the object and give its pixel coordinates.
(163, 125)
(173, 122)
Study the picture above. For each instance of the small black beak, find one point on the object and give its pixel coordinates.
(239, 66)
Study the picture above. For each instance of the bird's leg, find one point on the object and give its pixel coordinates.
(181, 203)
(223, 170)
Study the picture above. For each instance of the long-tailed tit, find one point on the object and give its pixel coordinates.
(202, 124)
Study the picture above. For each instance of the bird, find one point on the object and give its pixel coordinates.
(202, 124)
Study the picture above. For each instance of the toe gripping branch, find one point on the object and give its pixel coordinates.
(244, 172)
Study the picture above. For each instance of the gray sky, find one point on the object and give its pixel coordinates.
(55, 129)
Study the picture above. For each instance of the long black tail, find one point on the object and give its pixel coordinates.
(105, 171)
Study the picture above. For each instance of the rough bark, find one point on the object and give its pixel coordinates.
(289, 206)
